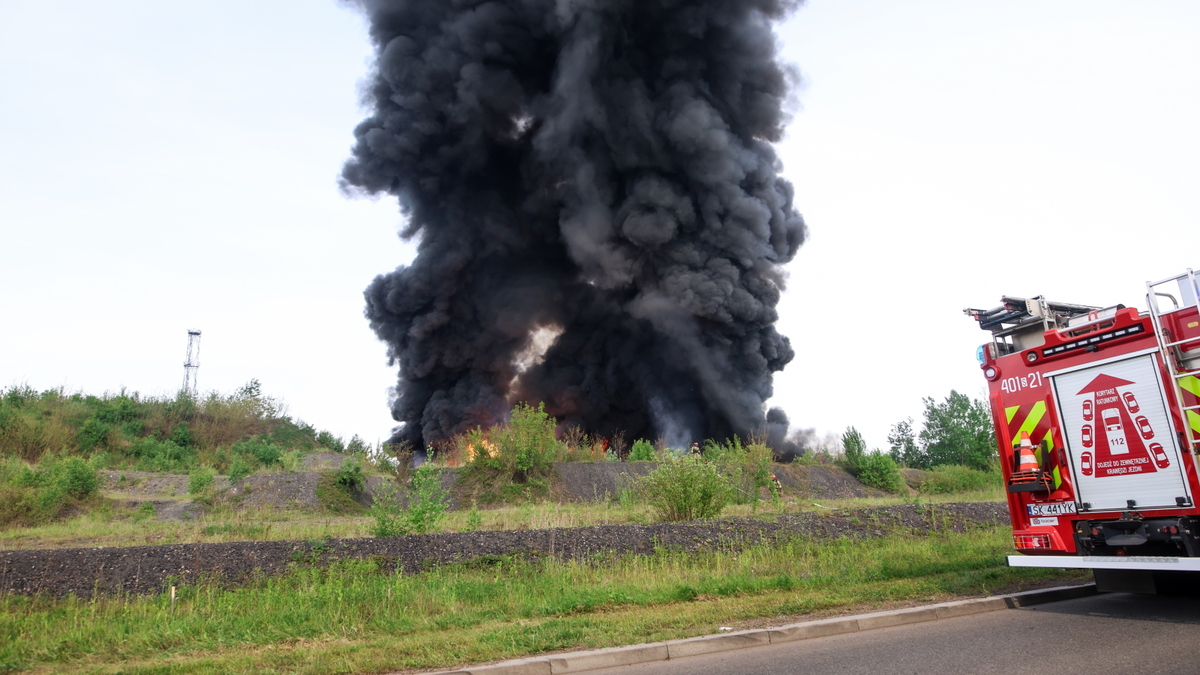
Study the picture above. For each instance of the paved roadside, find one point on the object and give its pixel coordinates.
(582, 661)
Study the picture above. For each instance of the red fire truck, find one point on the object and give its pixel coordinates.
(1097, 416)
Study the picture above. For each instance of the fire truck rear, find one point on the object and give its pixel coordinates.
(1097, 416)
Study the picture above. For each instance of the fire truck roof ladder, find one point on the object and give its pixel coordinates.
(1018, 318)
(1186, 362)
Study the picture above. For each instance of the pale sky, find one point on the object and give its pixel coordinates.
(167, 166)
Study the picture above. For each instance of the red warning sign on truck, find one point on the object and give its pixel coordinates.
(1118, 442)
(1117, 429)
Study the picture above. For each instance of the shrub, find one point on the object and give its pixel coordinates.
(155, 455)
(76, 478)
(291, 460)
(880, 471)
(201, 480)
(330, 441)
(181, 435)
(19, 506)
(426, 499)
(642, 451)
(748, 467)
(386, 510)
(686, 488)
(949, 478)
(92, 433)
(525, 446)
(239, 468)
(263, 451)
(426, 505)
(350, 476)
(144, 511)
(29, 496)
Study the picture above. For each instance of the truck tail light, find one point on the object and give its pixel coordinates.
(1031, 541)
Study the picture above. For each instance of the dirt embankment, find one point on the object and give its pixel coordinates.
(149, 569)
(574, 481)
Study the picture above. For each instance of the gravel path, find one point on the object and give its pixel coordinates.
(149, 569)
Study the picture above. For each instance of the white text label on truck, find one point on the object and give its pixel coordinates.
(1055, 509)
(1012, 385)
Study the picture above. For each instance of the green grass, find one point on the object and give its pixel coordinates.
(110, 525)
(352, 618)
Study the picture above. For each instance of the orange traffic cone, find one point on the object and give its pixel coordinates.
(1027, 469)
(1026, 461)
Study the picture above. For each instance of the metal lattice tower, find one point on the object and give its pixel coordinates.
(192, 364)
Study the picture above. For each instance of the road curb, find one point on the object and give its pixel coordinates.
(577, 662)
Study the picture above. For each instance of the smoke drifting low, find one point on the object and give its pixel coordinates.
(600, 219)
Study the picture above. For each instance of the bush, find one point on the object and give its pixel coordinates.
(386, 510)
(686, 488)
(263, 451)
(182, 436)
(880, 471)
(426, 505)
(426, 499)
(950, 478)
(642, 451)
(29, 496)
(525, 446)
(92, 433)
(239, 468)
(19, 506)
(350, 476)
(330, 441)
(201, 480)
(747, 467)
(155, 455)
(291, 460)
(76, 478)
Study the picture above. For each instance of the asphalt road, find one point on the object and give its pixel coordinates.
(1109, 633)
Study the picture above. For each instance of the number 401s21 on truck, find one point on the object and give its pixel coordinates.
(1097, 416)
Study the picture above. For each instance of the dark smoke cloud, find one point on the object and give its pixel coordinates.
(600, 219)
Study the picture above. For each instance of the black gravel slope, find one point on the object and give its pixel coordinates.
(149, 569)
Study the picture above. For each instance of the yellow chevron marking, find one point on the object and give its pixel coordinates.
(1194, 420)
(1191, 383)
(1057, 478)
(1035, 416)
(1010, 413)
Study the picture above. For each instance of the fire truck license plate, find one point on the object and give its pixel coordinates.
(1056, 509)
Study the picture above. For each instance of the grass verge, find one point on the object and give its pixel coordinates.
(351, 618)
(112, 525)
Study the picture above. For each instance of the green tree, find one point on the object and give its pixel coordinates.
(855, 448)
(902, 441)
(957, 431)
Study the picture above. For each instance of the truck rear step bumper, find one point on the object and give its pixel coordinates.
(1107, 562)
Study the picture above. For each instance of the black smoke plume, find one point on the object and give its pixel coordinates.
(600, 216)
